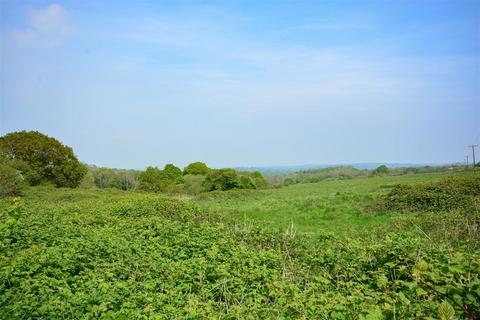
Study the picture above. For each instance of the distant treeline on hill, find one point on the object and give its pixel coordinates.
(349, 172)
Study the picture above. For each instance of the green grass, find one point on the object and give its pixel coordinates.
(108, 254)
(314, 208)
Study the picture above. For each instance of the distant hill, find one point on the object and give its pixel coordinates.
(360, 166)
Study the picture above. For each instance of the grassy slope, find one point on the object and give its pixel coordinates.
(313, 208)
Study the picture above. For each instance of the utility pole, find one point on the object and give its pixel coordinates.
(466, 157)
(473, 152)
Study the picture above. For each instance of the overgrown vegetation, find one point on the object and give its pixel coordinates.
(461, 193)
(119, 255)
(238, 249)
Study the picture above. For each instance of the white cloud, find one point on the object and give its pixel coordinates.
(45, 28)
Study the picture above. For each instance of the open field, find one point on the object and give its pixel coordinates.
(314, 208)
(91, 253)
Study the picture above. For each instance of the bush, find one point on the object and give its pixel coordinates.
(449, 194)
(11, 182)
(42, 158)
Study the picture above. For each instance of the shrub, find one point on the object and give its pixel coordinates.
(11, 182)
(39, 156)
(449, 194)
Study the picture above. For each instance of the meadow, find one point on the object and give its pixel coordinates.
(308, 251)
(337, 206)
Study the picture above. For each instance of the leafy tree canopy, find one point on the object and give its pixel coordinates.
(196, 168)
(171, 172)
(156, 180)
(41, 158)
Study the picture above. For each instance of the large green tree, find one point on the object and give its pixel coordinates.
(196, 168)
(41, 158)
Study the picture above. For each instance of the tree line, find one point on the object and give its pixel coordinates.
(32, 158)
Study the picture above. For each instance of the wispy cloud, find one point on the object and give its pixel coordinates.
(45, 27)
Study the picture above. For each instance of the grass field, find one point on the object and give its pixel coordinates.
(91, 253)
(313, 208)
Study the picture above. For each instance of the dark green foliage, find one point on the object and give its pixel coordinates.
(28, 173)
(150, 180)
(108, 254)
(228, 179)
(196, 168)
(42, 158)
(172, 173)
(167, 180)
(11, 181)
(383, 169)
(449, 194)
(222, 179)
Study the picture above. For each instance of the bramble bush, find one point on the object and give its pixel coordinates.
(449, 194)
(117, 255)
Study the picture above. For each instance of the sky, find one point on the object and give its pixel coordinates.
(129, 84)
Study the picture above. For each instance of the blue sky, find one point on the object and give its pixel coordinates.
(132, 84)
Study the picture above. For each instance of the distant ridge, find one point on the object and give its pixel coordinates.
(360, 166)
